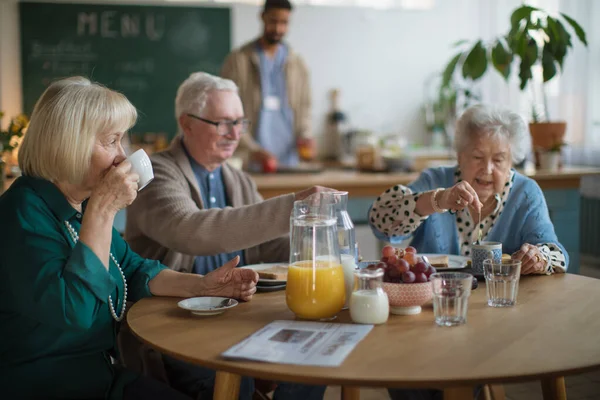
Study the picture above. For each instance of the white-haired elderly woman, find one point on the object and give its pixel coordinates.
(66, 273)
(440, 210)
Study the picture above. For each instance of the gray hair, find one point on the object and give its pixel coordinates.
(193, 92)
(494, 121)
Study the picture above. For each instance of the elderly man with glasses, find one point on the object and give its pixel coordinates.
(199, 212)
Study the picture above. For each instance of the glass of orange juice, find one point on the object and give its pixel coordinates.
(315, 287)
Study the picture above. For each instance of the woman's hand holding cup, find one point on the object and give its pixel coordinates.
(117, 189)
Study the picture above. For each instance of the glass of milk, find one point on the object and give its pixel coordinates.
(369, 303)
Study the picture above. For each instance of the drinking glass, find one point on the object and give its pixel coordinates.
(502, 282)
(346, 237)
(315, 287)
(451, 291)
(369, 304)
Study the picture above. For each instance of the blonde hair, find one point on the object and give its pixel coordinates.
(64, 125)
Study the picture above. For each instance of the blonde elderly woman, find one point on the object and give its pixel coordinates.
(66, 273)
(440, 210)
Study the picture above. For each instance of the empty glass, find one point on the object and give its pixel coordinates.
(346, 238)
(502, 282)
(315, 286)
(451, 291)
(346, 232)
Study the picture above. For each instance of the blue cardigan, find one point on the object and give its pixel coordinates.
(524, 219)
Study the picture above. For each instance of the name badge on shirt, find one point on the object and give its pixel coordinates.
(272, 103)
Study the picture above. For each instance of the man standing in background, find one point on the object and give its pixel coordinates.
(274, 87)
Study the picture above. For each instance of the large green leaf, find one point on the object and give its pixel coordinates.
(519, 14)
(528, 59)
(476, 62)
(524, 73)
(502, 59)
(548, 64)
(563, 34)
(449, 70)
(576, 27)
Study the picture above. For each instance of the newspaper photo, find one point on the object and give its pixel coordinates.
(301, 343)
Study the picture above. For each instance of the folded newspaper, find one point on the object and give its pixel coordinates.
(301, 343)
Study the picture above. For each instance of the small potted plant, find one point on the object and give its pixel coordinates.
(550, 157)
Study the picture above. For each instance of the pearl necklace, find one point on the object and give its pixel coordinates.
(118, 318)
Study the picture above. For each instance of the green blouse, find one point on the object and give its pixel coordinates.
(56, 330)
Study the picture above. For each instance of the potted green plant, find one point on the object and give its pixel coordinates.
(535, 39)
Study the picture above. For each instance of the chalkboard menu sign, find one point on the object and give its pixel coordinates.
(144, 52)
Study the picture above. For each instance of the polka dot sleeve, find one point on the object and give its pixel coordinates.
(393, 213)
(555, 259)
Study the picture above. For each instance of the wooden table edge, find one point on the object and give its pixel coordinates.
(225, 366)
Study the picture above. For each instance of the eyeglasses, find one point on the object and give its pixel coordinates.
(225, 128)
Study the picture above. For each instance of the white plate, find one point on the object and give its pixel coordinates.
(266, 282)
(454, 261)
(206, 305)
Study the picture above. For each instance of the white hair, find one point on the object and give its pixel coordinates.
(64, 125)
(193, 93)
(493, 121)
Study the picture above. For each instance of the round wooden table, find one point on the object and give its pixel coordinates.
(552, 332)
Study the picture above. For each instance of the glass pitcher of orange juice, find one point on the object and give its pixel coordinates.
(315, 286)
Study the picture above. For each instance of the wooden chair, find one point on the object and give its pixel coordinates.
(493, 392)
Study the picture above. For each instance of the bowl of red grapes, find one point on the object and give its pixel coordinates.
(405, 279)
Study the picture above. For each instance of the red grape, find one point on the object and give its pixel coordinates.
(388, 251)
(384, 259)
(420, 277)
(394, 272)
(408, 277)
(403, 266)
(430, 270)
(420, 267)
(411, 258)
(411, 249)
(392, 260)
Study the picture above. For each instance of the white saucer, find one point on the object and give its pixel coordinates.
(206, 305)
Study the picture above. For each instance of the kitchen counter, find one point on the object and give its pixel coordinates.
(366, 184)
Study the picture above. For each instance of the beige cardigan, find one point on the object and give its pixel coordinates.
(168, 221)
(243, 67)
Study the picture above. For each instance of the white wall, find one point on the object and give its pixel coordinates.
(379, 59)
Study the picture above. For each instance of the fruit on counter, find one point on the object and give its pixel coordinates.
(269, 165)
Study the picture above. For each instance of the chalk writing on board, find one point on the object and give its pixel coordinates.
(112, 24)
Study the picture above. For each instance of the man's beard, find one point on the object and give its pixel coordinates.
(272, 39)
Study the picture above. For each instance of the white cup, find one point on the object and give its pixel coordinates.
(141, 165)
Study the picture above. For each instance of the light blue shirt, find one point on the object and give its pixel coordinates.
(275, 131)
(212, 190)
